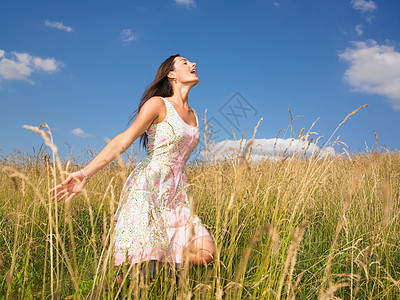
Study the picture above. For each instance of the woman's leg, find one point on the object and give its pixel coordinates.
(201, 251)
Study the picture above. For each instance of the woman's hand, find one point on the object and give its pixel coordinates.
(70, 187)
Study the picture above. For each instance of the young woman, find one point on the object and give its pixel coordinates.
(153, 220)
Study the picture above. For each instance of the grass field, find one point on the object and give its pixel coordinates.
(295, 228)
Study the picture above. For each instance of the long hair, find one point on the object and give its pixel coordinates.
(159, 87)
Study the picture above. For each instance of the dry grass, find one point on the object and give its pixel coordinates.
(321, 228)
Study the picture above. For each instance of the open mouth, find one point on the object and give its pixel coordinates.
(194, 71)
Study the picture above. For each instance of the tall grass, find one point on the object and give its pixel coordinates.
(305, 228)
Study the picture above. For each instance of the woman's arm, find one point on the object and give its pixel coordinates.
(151, 112)
(147, 115)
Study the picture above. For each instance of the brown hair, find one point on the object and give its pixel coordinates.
(159, 87)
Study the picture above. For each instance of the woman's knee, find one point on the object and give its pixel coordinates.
(205, 250)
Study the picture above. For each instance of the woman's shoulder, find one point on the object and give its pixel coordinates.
(155, 103)
(156, 108)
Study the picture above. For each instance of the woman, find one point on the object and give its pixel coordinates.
(153, 220)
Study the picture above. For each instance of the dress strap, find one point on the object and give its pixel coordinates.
(167, 106)
(196, 116)
(165, 100)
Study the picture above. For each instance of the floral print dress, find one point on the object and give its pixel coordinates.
(153, 220)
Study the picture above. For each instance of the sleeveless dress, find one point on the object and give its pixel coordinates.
(154, 220)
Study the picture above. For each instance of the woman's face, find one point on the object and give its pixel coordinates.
(185, 71)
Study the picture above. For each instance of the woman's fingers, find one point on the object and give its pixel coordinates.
(56, 190)
(66, 181)
(56, 196)
(69, 187)
(70, 197)
(61, 185)
(57, 187)
(63, 196)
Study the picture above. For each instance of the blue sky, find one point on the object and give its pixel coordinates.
(82, 66)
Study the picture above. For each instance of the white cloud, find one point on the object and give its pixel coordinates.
(127, 35)
(364, 5)
(47, 65)
(79, 132)
(20, 66)
(369, 18)
(187, 3)
(58, 25)
(359, 29)
(374, 69)
(269, 149)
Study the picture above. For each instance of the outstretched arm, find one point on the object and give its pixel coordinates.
(150, 112)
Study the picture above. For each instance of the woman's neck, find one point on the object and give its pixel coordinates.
(180, 96)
